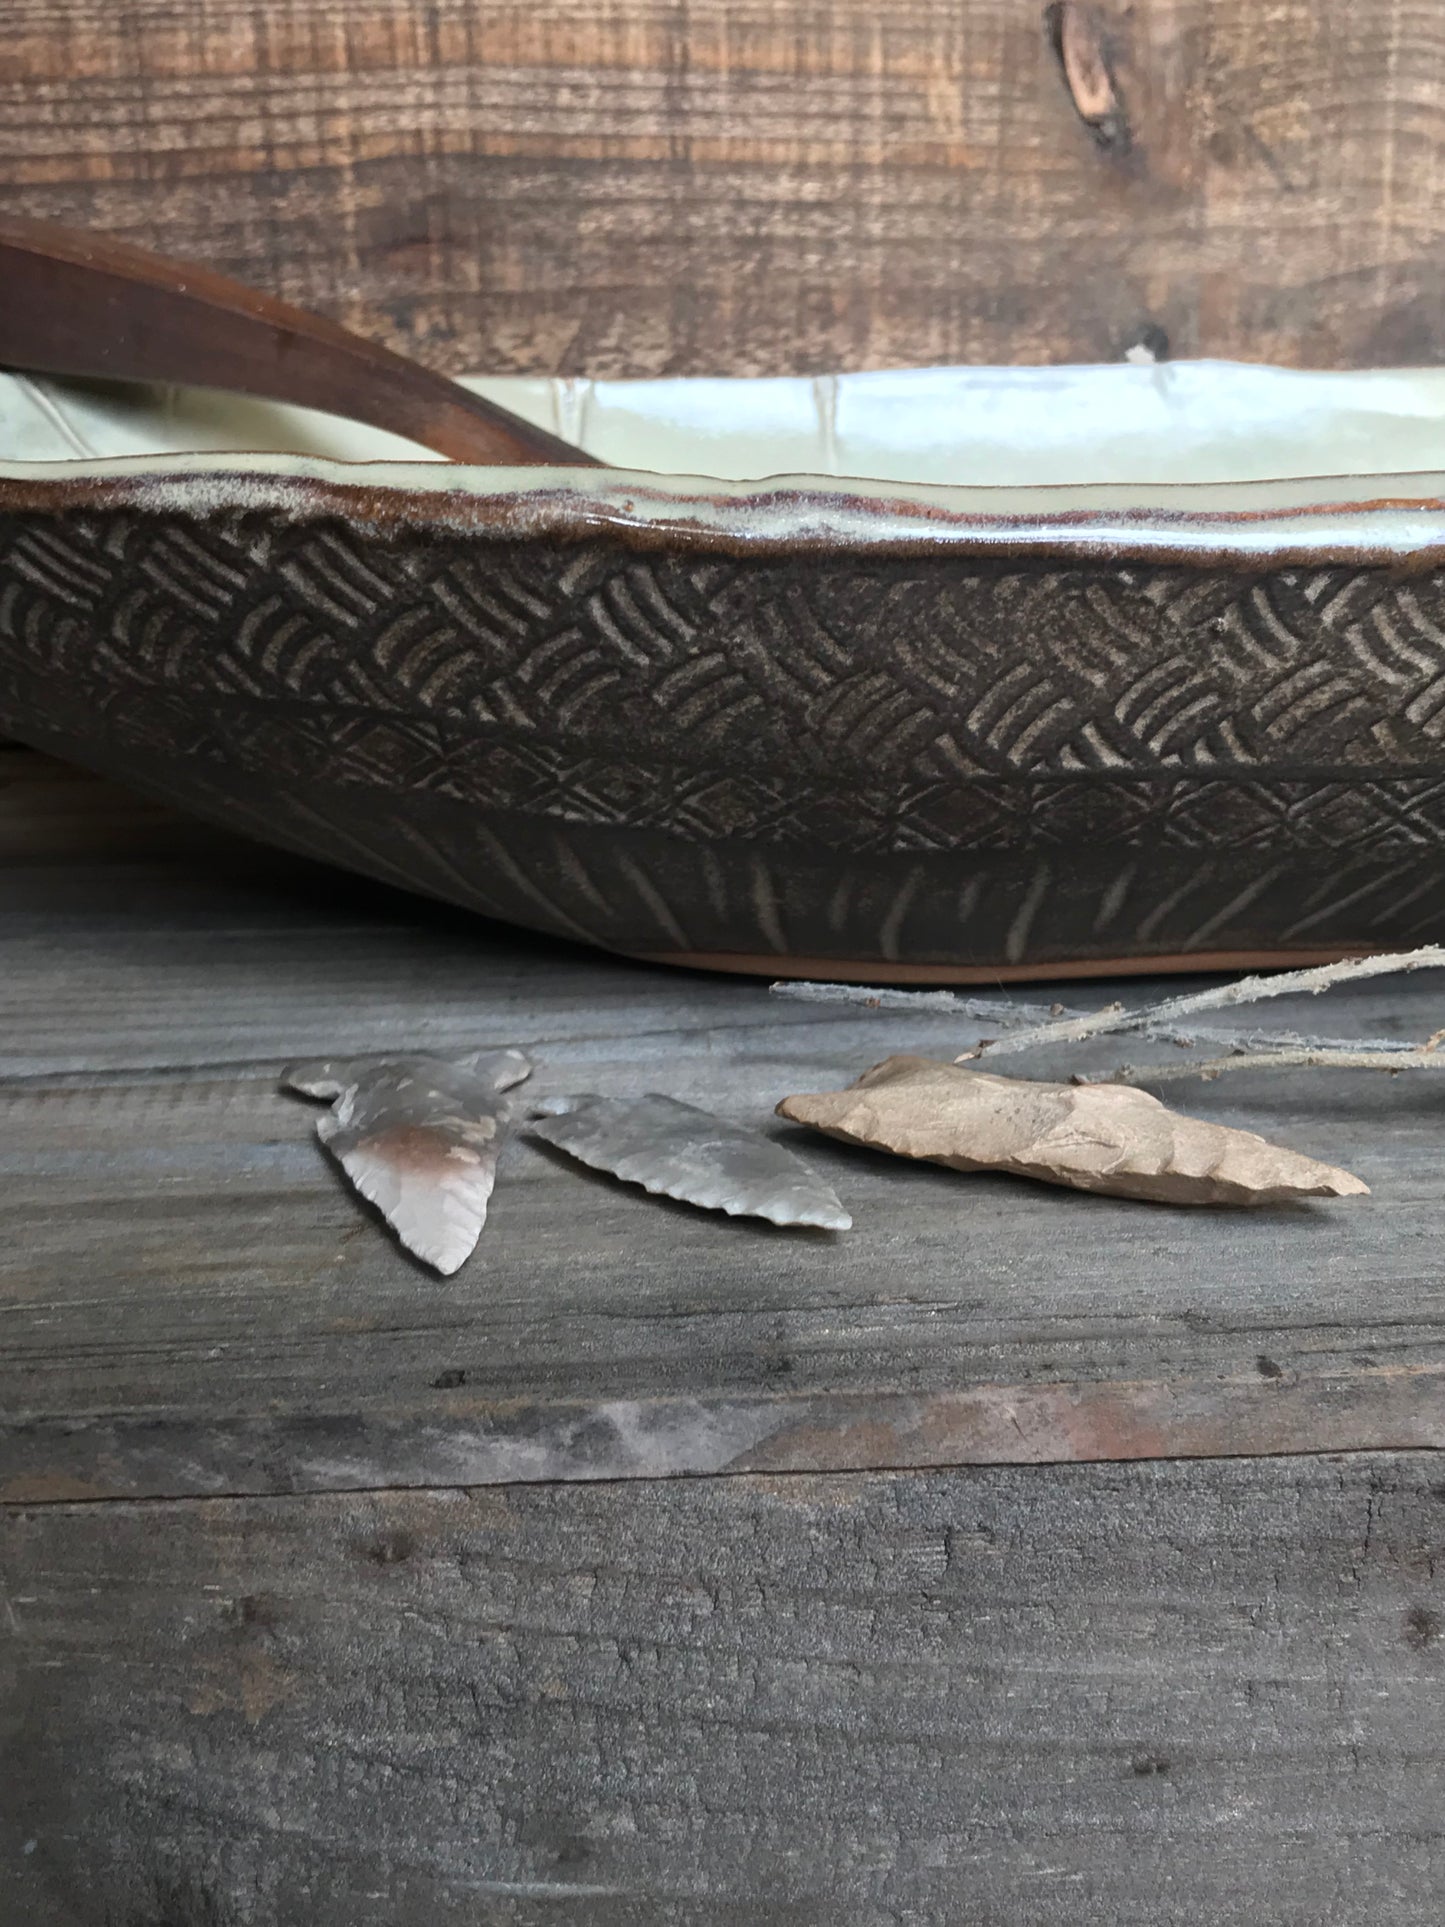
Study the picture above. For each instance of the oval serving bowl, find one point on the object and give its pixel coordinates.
(995, 673)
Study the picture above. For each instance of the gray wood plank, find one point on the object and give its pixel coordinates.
(1161, 1693)
(189, 1301)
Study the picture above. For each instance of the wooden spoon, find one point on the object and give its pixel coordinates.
(77, 303)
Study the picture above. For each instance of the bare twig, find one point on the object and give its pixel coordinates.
(989, 1010)
(1342, 1057)
(1244, 990)
(1044, 1021)
(1258, 1042)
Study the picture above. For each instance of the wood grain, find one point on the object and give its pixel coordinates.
(547, 1683)
(1180, 1695)
(191, 1303)
(637, 187)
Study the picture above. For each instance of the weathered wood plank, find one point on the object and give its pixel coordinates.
(1174, 1694)
(633, 187)
(190, 1302)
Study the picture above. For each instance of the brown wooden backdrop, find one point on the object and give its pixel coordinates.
(657, 186)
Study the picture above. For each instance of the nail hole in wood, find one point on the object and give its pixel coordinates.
(1422, 1627)
(389, 1549)
(1148, 343)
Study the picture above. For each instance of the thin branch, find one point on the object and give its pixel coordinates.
(1331, 1057)
(990, 1010)
(1244, 990)
(1257, 1042)
(1045, 1019)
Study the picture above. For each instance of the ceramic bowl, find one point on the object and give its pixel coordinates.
(994, 673)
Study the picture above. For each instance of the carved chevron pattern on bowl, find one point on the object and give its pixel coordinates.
(934, 665)
(1181, 810)
(843, 705)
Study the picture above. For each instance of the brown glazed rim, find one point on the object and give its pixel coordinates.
(878, 971)
(1278, 524)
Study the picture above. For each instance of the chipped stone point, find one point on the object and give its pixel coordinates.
(418, 1137)
(677, 1150)
(1108, 1138)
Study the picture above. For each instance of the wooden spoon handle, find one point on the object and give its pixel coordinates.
(76, 303)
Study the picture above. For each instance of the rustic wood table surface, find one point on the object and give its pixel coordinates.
(1019, 1557)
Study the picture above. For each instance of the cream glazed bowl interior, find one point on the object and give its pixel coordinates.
(936, 674)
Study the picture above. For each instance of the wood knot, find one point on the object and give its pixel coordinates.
(1081, 45)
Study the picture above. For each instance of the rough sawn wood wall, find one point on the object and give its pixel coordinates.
(647, 187)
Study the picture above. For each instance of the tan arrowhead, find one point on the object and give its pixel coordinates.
(1108, 1138)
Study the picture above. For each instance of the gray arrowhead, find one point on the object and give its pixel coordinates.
(418, 1137)
(678, 1151)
